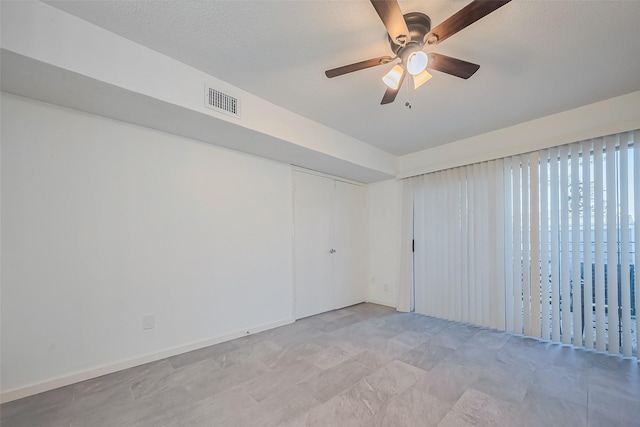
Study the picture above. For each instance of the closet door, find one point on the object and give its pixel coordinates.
(313, 239)
(350, 239)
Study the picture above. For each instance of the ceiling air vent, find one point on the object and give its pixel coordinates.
(222, 102)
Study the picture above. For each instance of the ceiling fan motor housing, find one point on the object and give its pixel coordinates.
(419, 25)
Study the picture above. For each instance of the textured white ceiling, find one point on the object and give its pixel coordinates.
(537, 58)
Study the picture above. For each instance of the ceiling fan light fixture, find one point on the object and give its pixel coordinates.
(417, 62)
(392, 78)
(408, 34)
(421, 78)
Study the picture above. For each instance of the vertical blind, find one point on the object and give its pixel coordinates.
(459, 265)
(542, 244)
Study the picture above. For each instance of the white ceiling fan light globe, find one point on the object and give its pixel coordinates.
(417, 62)
(421, 78)
(392, 78)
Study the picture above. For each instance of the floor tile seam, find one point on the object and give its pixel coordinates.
(168, 359)
(211, 394)
(152, 393)
(297, 386)
(349, 388)
(373, 370)
(628, 376)
(376, 389)
(614, 393)
(246, 361)
(269, 341)
(488, 393)
(196, 400)
(424, 371)
(208, 359)
(344, 391)
(380, 392)
(356, 322)
(240, 383)
(133, 399)
(306, 377)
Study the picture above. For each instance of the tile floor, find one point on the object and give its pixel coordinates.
(364, 365)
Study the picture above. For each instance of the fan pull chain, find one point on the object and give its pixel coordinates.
(408, 102)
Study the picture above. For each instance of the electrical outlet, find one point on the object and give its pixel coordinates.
(386, 287)
(148, 321)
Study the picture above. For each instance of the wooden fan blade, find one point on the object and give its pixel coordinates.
(466, 16)
(390, 94)
(358, 66)
(453, 66)
(391, 16)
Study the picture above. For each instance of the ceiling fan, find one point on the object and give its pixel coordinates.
(409, 34)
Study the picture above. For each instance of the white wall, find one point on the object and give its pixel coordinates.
(103, 222)
(614, 115)
(50, 36)
(384, 201)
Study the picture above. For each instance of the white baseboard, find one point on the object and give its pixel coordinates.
(74, 377)
(386, 303)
